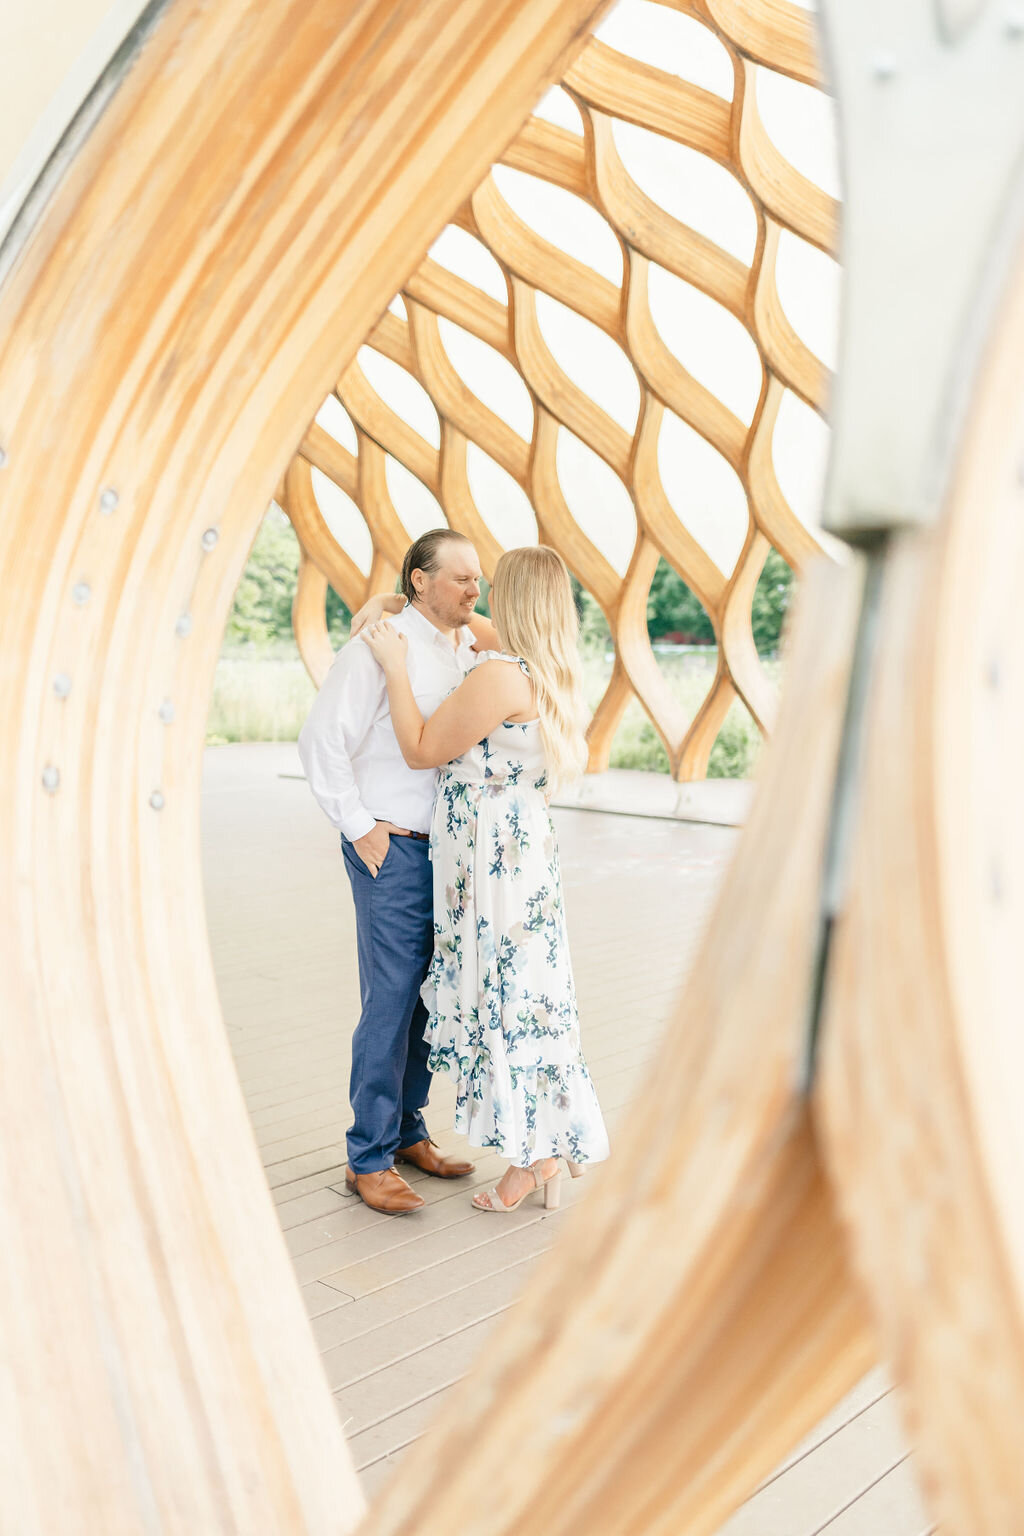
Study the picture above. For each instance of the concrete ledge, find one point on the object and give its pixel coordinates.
(618, 792)
(632, 792)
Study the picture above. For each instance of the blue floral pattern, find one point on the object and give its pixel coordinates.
(500, 995)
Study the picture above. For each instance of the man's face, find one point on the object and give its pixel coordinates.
(450, 594)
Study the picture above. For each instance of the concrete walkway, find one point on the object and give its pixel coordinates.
(400, 1308)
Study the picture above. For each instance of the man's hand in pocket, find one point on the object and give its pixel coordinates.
(372, 848)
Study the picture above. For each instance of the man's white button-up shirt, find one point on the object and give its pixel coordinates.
(352, 760)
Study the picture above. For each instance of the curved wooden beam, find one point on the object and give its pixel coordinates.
(789, 197)
(775, 517)
(442, 291)
(542, 149)
(559, 395)
(607, 717)
(387, 429)
(542, 265)
(774, 32)
(653, 99)
(309, 619)
(457, 404)
(189, 341)
(463, 513)
(606, 87)
(672, 384)
(736, 638)
(922, 1052)
(788, 357)
(660, 237)
(315, 538)
(659, 519)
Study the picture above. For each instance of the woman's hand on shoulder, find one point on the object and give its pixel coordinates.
(387, 645)
(374, 608)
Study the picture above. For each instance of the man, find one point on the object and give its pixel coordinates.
(383, 809)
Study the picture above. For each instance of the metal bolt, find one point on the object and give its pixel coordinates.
(209, 538)
(166, 711)
(108, 501)
(81, 593)
(883, 66)
(51, 779)
(62, 685)
(156, 800)
(183, 625)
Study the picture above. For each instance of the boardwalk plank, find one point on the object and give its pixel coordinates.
(400, 1307)
(833, 1475)
(508, 1249)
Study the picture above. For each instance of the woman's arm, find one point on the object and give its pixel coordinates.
(488, 695)
(485, 636)
(373, 608)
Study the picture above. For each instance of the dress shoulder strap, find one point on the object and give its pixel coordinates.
(504, 656)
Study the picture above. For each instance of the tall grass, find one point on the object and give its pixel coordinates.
(260, 693)
(689, 675)
(263, 693)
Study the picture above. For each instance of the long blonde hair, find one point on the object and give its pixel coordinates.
(535, 615)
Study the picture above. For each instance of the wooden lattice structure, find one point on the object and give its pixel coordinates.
(607, 87)
(226, 220)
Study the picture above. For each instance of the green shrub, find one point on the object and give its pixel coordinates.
(262, 693)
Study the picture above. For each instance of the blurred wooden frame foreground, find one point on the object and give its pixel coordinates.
(261, 183)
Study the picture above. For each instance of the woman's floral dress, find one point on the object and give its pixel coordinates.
(500, 995)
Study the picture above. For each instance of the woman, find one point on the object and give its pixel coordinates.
(499, 992)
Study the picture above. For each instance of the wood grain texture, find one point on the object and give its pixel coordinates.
(259, 186)
(610, 89)
(920, 1105)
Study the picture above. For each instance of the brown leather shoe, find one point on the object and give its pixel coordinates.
(384, 1191)
(424, 1155)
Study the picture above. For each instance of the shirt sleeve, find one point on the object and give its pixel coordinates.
(343, 712)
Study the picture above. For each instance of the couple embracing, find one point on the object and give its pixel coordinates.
(433, 746)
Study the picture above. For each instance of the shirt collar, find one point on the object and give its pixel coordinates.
(429, 632)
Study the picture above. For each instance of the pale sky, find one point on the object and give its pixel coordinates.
(708, 341)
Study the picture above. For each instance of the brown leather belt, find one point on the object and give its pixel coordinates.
(421, 837)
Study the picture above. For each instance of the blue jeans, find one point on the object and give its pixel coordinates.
(395, 934)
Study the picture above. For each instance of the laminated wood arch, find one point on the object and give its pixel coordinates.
(259, 184)
(219, 245)
(607, 87)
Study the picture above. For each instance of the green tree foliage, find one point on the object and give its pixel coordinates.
(594, 630)
(772, 597)
(674, 612)
(339, 618)
(262, 610)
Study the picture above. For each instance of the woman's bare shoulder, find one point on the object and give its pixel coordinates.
(506, 683)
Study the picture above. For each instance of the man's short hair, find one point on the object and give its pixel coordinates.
(424, 554)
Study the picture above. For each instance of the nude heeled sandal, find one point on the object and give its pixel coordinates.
(551, 1187)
